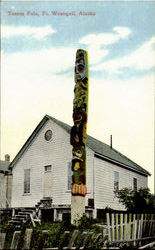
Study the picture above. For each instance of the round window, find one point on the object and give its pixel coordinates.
(48, 135)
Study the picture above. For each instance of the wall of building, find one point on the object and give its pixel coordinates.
(104, 183)
(9, 189)
(5, 189)
(56, 152)
(2, 190)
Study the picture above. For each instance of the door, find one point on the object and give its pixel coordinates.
(47, 181)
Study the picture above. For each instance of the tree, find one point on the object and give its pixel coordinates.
(140, 200)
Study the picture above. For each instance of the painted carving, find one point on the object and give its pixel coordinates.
(79, 130)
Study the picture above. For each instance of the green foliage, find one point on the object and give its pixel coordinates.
(85, 222)
(4, 218)
(126, 246)
(55, 233)
(140, 200)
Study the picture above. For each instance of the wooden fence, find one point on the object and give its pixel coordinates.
(120, 228)
(68, 241)
(130, 227)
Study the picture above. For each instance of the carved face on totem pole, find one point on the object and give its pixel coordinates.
(80, 67)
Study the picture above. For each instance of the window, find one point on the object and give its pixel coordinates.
(70, 172)
(48, 135)
(48, 168)
(26, 181)
(116, 181)
(134, 183)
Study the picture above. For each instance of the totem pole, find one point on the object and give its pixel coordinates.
(79, 136)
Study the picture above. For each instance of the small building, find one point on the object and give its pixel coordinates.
(5, 183)
(42, 175)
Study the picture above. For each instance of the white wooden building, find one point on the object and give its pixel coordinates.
(5, 183)
(42, 171)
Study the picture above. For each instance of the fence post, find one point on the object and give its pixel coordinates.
(133, 227)
(2, 240)
(27, 239)
(151, 222)
(141, 229)
(135, 231)
(125, 227)
(121, 227)
(15, 240)
(113, 227)
(108, 225)
(138, 228)
(64, 239)
(117, 238)
(82, 240)
(74, 236)
(129, 228)
(43, 238)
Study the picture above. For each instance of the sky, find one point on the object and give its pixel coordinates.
(37, 71)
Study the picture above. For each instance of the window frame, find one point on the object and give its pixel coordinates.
(135, 187)
(27, 184)
(69, 176)
(48, 168)
(116, 181)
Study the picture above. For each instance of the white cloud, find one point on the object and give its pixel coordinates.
(95, 41)
(140, 59)
(106, 38)
(96, 54)
(34, 32)
(122, 31)
(38, 64)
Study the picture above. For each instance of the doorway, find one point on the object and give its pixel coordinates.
(47, 181)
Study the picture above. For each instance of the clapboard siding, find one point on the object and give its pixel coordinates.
(3, 187)
(90, 175)
(39, 154)
(104, 183)
(57, 152)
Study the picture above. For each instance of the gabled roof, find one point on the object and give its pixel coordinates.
(4, 166)
(101, 149)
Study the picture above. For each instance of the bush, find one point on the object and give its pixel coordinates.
(140, 200)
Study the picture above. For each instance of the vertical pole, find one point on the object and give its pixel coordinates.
(121, 226)
(27, 239)
(125, 227)
(129, 227)
(113, 227)
(15, 240)
(117, 238)
(2, 240)
(108, 225)
(79, 136)
(133, 227)
(111, 141)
